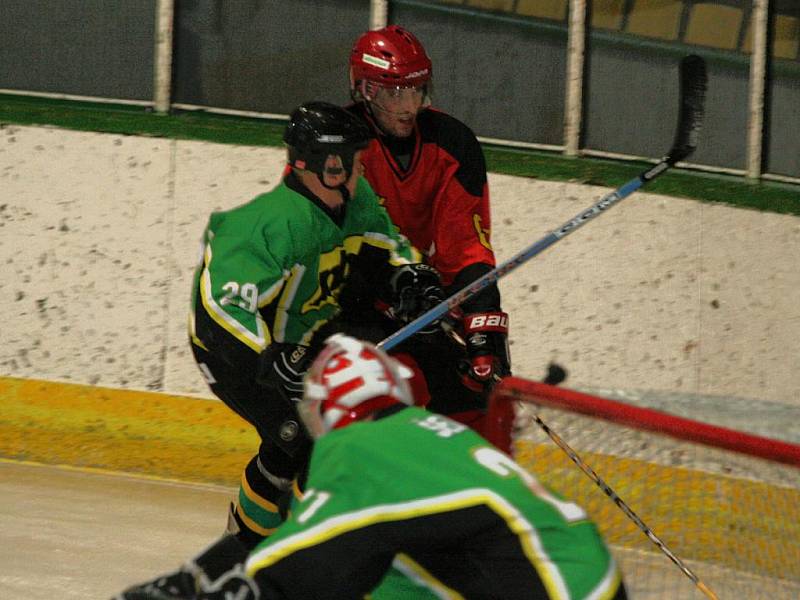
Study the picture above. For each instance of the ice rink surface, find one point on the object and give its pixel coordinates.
(76, 534)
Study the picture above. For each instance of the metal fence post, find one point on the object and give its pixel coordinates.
(573, 100)
(378, 14)
(757, 85)
(162, 68)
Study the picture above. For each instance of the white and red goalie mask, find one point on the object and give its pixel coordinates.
(348, 381)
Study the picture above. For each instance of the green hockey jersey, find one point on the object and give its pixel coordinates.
(272, 269)
(452, 512)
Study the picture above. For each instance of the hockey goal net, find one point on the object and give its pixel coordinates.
(718, 509)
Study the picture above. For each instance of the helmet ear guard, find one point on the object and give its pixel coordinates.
(338, 161)
(324, 138)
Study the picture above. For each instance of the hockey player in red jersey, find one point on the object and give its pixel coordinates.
(428, 170)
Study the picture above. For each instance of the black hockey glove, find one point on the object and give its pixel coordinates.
(282, 368)
(413, 290)
(486, 337)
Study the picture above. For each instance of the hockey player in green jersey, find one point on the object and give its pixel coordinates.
(266, 295)
(392, 484)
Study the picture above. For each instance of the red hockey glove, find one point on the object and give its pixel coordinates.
(412, 290)
(486, 336)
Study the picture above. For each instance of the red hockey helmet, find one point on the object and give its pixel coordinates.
(389, 57)
(348, 381)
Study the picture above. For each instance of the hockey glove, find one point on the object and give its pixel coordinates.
(486, 337)
(282, 368)
(412, 291)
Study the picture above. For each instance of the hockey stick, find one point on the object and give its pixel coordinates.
(690, 119)
(575, 458)
(498, 434)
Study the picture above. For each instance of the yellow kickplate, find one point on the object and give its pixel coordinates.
(177, 437)
(718, 519)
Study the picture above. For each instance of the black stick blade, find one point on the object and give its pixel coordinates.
(693, 84)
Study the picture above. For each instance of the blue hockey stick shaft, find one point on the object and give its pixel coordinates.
(525, 255)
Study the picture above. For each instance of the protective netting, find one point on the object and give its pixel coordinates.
(731, 518)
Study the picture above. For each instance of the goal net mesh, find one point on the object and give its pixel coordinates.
(726, 504)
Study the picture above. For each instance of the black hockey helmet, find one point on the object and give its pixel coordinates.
(319, 130)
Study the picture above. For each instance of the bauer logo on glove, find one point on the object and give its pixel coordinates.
(486, 337)
(486, 322)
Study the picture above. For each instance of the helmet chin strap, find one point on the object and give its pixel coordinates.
(371, 113)
(369, 102)
(345, 193)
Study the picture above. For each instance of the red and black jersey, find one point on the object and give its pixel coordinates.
(440, 200)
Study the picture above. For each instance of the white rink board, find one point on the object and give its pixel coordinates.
(99, 236)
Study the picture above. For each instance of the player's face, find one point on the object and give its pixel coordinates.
(333, 174)
(396, 109)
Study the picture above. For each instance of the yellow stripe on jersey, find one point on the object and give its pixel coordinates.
(352, 521)
(607, 588)
(385, 242)
(421, 576)
(293, 280)
(256, 341)
(193, 333)
(266, 298)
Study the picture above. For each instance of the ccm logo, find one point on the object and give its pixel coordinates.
(490, 321)
(417, 74)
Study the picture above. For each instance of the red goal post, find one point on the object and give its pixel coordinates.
(725, 503)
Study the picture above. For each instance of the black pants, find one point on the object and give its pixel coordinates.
(282, 456)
